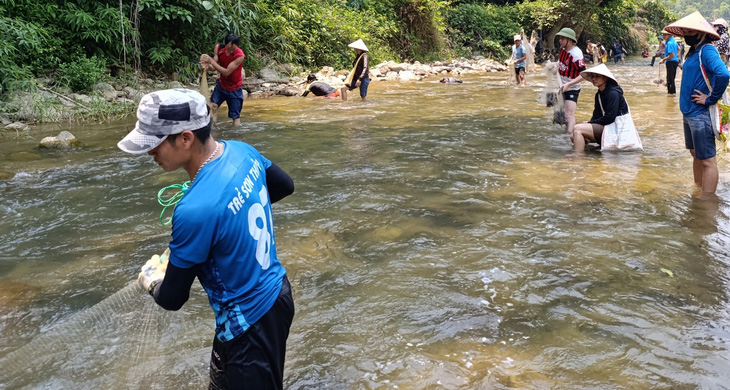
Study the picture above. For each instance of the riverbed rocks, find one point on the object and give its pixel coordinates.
(270, 84)
(63, 140)
(57, 104)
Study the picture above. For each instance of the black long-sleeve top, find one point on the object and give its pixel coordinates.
(362, 68)
(614, 104)
(174, 291)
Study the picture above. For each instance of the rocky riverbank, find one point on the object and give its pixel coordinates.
(114, 99)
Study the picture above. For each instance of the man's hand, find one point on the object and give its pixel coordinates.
(153, 271)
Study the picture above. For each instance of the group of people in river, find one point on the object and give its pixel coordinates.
(222, 228)
(704, 82)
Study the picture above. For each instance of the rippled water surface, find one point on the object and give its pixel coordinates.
(440, 237)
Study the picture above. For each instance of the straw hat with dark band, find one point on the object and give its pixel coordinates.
(693, 21)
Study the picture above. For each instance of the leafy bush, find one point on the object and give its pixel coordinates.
(480, 27)
(82, 74)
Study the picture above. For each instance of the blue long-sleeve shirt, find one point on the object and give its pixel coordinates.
(692, 79)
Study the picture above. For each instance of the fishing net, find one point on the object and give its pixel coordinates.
(661, 79)
(530, 60)
(125, 341)
(550, 96)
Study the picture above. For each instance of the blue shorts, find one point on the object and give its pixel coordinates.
(234, 99)
(698, 135)
(363, 87)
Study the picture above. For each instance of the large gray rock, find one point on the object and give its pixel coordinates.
(103, 87)
(289, 91)
(63, 140)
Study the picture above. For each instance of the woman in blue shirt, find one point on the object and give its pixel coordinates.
(704, 80)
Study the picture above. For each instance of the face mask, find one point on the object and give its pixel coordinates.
(692, 39)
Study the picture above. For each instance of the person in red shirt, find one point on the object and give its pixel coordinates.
(228, 61)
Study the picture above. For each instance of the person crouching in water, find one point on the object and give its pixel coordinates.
(319, 88)
(359, 75)
(609, 103)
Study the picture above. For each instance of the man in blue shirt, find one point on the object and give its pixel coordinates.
(671, 58)
(519, 55)
(223, 234)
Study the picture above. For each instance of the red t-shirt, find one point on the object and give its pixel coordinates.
(233, 81)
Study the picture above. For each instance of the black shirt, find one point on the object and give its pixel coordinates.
(319, 88)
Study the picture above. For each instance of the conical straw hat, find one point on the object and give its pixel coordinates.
(359, 44)
(693, 21)
(599, 69)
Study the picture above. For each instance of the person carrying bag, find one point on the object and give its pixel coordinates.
(611, 124)
(704, 80)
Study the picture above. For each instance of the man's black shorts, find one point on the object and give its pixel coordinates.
(255, 359)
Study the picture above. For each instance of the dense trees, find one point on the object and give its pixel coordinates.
(50, 37)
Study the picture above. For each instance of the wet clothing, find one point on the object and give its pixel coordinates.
(609, 104)
(233, 99)
(234, 80)
(223, 234)
(255, 359)
(717, 74)
(228, 88)
(570, 64)
(319, 88)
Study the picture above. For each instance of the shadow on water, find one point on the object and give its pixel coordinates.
(441, 236)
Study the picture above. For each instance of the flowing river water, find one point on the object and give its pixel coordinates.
(440, 237)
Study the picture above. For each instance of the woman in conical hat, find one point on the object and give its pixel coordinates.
(359, 75)
(609, 103)
(704, 80)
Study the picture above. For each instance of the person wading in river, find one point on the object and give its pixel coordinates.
(671, 58)
(359, 76)
(570, 64)
(222, 234)
(228, 61)
(704, 80)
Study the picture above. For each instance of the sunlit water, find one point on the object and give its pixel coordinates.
(440, 237)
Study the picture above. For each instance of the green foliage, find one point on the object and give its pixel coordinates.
(710, 9)
(168, 36)
(82, 74)
(485, 28)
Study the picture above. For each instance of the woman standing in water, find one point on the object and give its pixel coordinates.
(704, 80)
(359, 76)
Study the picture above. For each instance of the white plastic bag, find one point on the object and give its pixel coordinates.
(621, 135)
